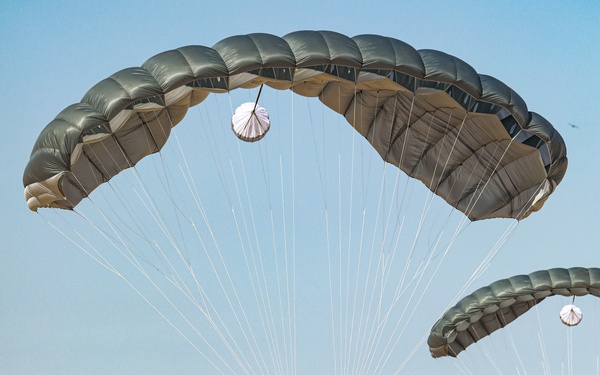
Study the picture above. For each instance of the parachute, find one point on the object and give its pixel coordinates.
(494, 306)
(250, 122)
(468, 137)
(224, 259)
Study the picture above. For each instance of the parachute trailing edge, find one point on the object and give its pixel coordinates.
(494, 306)
(467, 137)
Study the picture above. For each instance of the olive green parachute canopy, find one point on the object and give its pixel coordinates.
(468, 137)
(496, 305)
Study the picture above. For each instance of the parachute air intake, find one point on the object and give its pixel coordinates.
(410, 105)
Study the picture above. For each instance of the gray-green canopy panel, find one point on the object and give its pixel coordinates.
(468, 137)
(496, 305)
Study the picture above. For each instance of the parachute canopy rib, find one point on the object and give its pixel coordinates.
(494, 306)
(388, 91)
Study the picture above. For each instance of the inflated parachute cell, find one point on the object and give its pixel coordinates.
(493, 307)
(468, 137)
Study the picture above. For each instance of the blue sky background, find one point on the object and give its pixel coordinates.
(62, 314)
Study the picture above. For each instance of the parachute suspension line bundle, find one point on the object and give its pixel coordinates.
(285, 366)
(360, 361)
(132, 259)
(352, 342)
(227, 296)
(370, 326)
(238, 226)
(485, 263)
(155, 216)
(202, 211)
(350, 316)
(288, 335)
(322, 174)
(367, 344)
(569, 351)
(499, 244)
(342, 314)
(287, 315)
(570, 315)
(109, 267)
(289, 341)
(214, 151)
(492, 252)
(360, 352)
(267, 307)
(513, 345)
(542, 342)
(597, 338)
(293, 187)
(287, 272)
(449, 245)
(431, 252)
(339, 239)
(262, 283)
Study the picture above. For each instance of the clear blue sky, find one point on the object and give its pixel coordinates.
(60, 313)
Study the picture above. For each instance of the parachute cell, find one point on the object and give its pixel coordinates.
(493, 307)
(467, 137)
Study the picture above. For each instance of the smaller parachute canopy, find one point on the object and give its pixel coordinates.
(493, 307)
(571, 315)
(250, 122)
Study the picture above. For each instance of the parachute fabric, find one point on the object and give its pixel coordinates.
(468, 137)
(498, 304)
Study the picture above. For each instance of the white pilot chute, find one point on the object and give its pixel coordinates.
(250, 122)
(571, 315)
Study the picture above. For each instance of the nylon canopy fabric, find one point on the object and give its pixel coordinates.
(468, 137)
(498, 304)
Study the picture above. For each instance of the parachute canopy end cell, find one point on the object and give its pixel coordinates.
(410, 105)
(500, 303)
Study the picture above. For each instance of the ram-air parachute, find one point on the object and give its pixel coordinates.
(492, 307)
(234, 234)
(467, 136)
